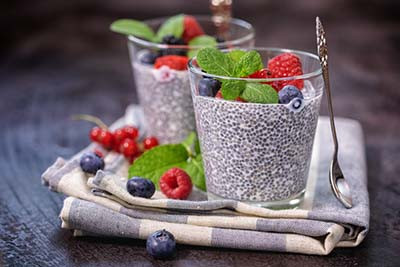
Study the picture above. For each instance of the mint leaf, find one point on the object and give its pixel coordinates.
(215, 62)
(236, 54)
(248, 63)
(259, 93)
(196, 171)
(231, 89)
(133, 27)
(155, 162)
(202, 40)
(190, 142)
(173, 26)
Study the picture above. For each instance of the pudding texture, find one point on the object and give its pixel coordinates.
(255, 152)
(167, 104)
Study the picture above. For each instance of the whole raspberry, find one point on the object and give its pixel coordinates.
(176, 183)
(191, 28)
(172, 61)
(285, 65)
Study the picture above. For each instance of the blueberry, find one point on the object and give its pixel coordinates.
(288, 93)
(172, 40)
(161, 245)
(148, 57)
(220, 39)
(296, 104)
(209, 87)
(91, 163)
(140, 187)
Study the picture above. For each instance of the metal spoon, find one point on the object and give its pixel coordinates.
(339, 185)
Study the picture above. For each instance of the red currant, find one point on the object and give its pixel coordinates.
(95, 133)
(106, 139)
(150, 142)
(131, 132)
(129, 148)
(119, 136)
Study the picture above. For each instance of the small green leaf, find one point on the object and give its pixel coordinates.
(260, 93)
(133, 27)
(236, 54)
(248, 63)
(173, 26)
(155, 162)
(215, 62)
(189, 143)
(202, 40)
(231, 89)
(196, 172)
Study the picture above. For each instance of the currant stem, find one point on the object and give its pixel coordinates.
(95, 120)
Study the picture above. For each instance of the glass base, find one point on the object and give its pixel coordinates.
(290, 203)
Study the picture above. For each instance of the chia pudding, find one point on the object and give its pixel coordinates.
(165, 97)
(256, 152)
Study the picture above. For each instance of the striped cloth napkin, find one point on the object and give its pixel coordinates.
(100, 205)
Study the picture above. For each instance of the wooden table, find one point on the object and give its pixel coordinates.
(58, 58)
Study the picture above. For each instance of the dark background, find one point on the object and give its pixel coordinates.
(58, 58)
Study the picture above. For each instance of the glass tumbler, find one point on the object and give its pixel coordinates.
(259, 153)
(164, 92)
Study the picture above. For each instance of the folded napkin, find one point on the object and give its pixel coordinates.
(100, 205)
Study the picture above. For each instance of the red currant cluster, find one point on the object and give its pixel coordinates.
(123, 140)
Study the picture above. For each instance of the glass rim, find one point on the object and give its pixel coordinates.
(304, 76)
(233, 21)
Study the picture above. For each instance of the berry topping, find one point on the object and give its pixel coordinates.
(209, 87)
(260, 74)
(106, 139)
(191, 28)
(129, 148)
(172, 40)
(91, 163)
(119, 136)
(285, 65)
(150, 142)
(131, 132)
(98, 153)
(161, 245)
(288, 93)
(176, 183)
(140, 187)
(148, 57)
(174, 62)
(95, 133)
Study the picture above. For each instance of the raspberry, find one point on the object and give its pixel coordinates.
(172, 61)
(219, 94)
(191, 28)
(176, 183)
(260, 74)
(285, 65)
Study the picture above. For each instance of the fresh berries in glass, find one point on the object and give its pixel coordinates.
(288, 93)
(285, 65)
(148, 58)
(91, 163)
(191, 28)
(150, 142)
(140, 187)
(209, 87)
(175, 183)
(172, 61)
(161, 245)
(128, 148)
(172, 40)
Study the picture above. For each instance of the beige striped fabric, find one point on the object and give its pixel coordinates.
(101, 206)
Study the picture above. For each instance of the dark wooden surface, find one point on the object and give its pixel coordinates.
(58, 58)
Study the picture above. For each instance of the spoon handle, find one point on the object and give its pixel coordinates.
(221, 15)
(323, 57)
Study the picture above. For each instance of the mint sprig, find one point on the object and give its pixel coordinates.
(236, 54)
(215, 62)
(260, 93)
(231, 89)
(155, 162)
(202, 40)
(248, 63)
(133, 27)
(172, 26)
